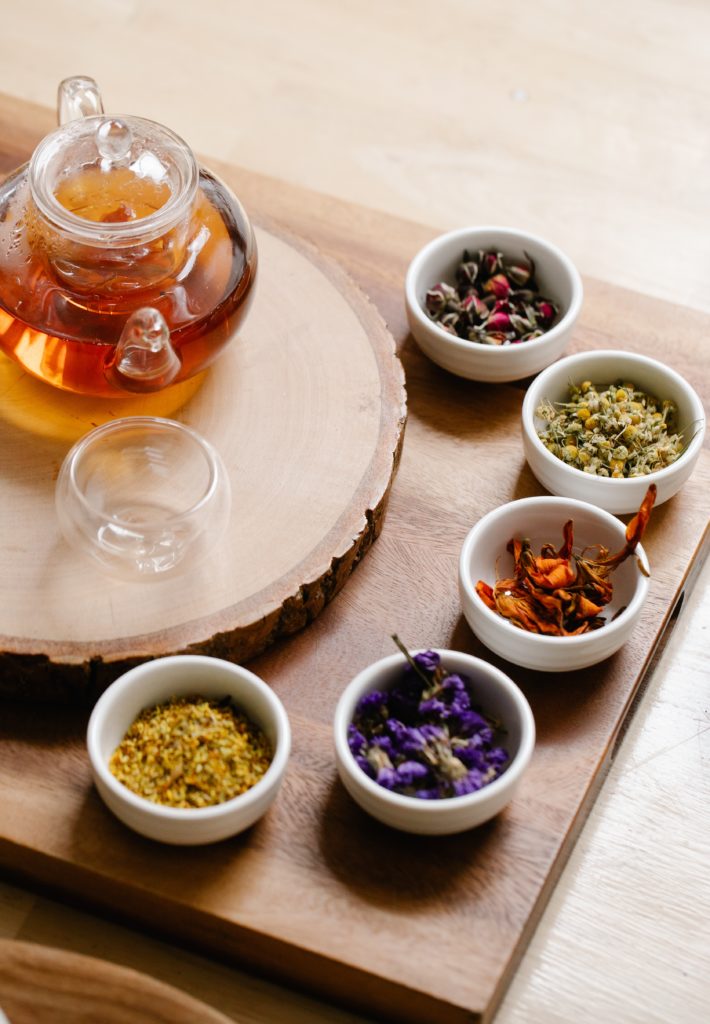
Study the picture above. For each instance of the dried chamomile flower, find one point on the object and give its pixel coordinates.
(615, 430)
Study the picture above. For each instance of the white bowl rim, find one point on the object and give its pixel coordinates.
(609, 629)
(496, 351)
(445, 805)
(187, 814)
(588, 358)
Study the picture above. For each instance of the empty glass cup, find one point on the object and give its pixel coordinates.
(144, 496)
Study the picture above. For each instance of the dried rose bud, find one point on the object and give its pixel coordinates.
(466, 273)
(435, 299)
(494, 338)
(495, 301)
(449, 321)
(498, 285)
(498, 322)
(473, 306)
(521, 325)
(491, 263)
(545, 311)
(519, 273)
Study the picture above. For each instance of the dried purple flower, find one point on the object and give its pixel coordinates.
(356, 741)
(454, 682)
(363, 763)
(371, 703)
(428, 661)
(387, 777)
(422, 737)
(434, 707)
(409, 773)
(470, 722)
(384, 744)
(470, 782)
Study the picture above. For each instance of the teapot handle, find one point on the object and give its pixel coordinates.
(78, 97)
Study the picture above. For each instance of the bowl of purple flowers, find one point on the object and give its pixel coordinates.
(433, 743)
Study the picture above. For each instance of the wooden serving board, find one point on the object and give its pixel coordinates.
(317, 894)
(307, 409)
(41, 985)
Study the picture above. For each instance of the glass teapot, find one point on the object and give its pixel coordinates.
(124, 266)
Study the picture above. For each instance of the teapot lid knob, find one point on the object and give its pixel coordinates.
(114, 140)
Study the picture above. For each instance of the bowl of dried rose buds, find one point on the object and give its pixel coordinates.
(188, 749)
(492, 304)
(554, 584)
(600, 426)
(433, 742)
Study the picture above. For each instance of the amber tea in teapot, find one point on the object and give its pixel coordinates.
(124, 266)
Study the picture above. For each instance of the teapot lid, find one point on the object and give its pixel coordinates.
(112, 180)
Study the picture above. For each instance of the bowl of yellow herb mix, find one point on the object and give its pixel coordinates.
(601, 426)
(188, 749)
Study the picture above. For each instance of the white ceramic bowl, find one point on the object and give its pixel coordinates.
(156, 681)
(484, 557)
(557, 279)
(499, 698)
(604, 368)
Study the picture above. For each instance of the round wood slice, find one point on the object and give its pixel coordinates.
(307, 408)
(42, 985)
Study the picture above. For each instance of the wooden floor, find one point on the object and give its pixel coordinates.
(587, 123)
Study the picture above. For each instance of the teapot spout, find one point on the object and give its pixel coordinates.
(78, 97)
(144, 358)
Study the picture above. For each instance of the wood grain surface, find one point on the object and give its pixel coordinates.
(40, 985)
(307, 410)
(317, 893)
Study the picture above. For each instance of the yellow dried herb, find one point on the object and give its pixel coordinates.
(191, 752)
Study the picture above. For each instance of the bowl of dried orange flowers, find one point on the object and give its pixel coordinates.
(601, 426)
(554, 584)
(188, 749)
(492, 303)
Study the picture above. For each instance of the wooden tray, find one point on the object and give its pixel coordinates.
(406, 928)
